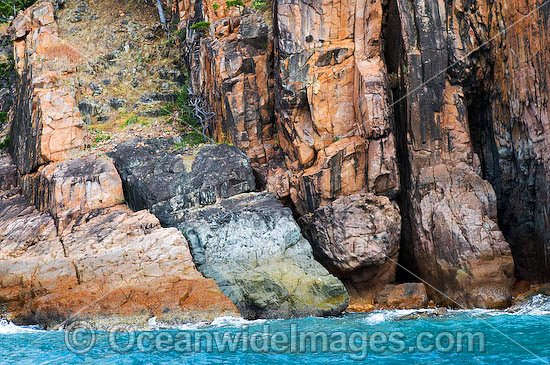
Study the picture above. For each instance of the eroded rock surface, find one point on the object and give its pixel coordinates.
(168, 181)
(420, 102)
(357, 236)
(47, 126)
(248, 243)
(253, 248)
(110, 262)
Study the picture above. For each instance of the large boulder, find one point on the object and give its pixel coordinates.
(166, 181)
(357, 238)
(71, 188)
(247, 242)
(253, 248)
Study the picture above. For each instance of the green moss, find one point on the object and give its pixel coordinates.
(215, 6)
(3, 118)
(200, 26)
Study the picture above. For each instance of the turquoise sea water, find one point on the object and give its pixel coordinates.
(385, 337)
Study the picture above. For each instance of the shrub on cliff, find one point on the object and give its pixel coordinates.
(6, 8)
(200, 26)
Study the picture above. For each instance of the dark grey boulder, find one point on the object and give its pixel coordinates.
(248, 242)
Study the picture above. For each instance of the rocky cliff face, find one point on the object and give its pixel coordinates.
(70, 247)
(408, 138)
(440, 108)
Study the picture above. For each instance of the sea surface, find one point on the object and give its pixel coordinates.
(517, 336)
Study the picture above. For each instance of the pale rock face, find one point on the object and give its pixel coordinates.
(252, 247)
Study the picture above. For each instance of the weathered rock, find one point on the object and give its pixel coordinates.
(451, 237)
(252, 247)
(365, 102)
(249, 244)
(402, 296)
(8, 173)
(357, 238)
(166, 181)
(112, 263)
(47, 125)
(69, 189)
(231, 67)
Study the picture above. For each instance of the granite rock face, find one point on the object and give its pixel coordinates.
(418, 101)
(109, 261)
(71, 188)
(69, 246)
(47, 126)
(247, 242)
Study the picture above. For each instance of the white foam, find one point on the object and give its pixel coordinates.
(390, 315)
(537, 305)
(8, 328)
(229, 321)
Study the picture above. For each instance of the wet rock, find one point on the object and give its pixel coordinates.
(402, 296)
(252, 247)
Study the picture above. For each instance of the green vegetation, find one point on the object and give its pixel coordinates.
(200, 26)
(6, 143)
(6, 8)
(336, 138)
(3, 118)
(215, 6)
(99, 136)
(190, 139)
(259, 5)
(234, 3)
(133, 120)
(6, 68)
(182, 113)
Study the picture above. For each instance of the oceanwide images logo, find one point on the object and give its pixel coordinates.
(81, 338)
